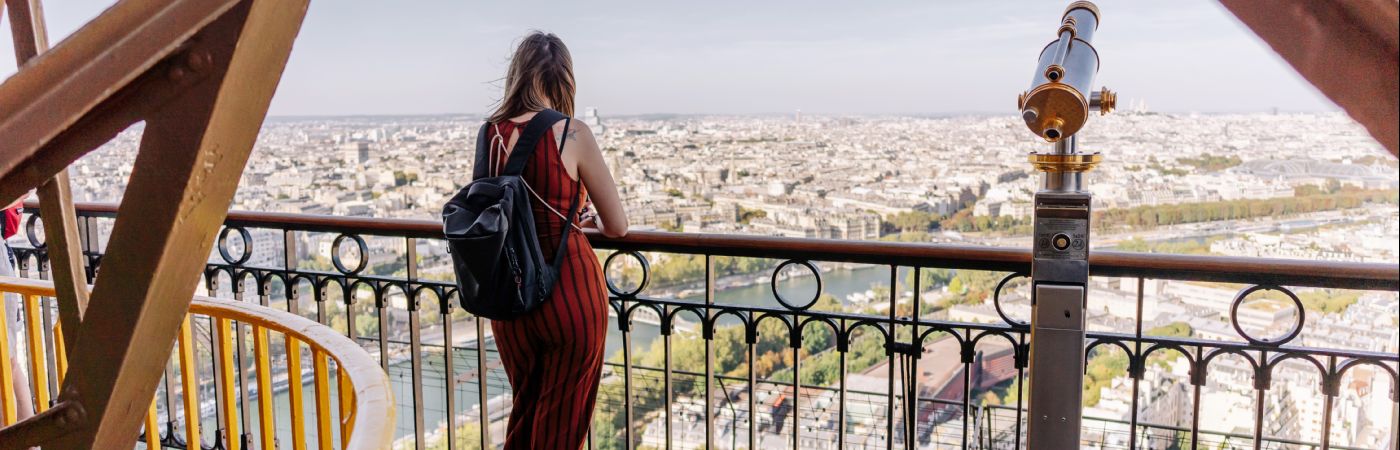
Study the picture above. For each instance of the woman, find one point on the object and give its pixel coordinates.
(554, 354)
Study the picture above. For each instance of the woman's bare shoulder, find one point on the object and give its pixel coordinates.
(578, 132)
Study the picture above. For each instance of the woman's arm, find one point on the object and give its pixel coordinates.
(581, 152)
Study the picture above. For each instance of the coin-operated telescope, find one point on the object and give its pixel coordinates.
(1055, 108)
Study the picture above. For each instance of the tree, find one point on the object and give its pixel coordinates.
(1174, 329)
(909, 221)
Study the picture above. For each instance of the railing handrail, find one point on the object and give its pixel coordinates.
(370, 383)
(1227, 269)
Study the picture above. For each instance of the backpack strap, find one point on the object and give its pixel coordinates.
(483, 153)
(541, 123)
(573, 207)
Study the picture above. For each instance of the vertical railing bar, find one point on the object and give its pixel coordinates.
(967, 389)
(266, 419)
(189, 385)
(347, 405)
(622, 317)
(710, 356)
(481, 387)
(349, 300)
(152, 428)
(449, 372)
(1259, 419)
(893, 338)
(841, 394)
(267, 413)
(245, 364)
(50, 347)
(912, 435)
(380, 307)
(1196, 401)
(753, 385)
(221, 415)
(416, 347)
(39, 342)
(60, 351)
(1327, 403)
(415, 341)
(991, 425)
(228, 412)
(296, 393)
(325, 432)
(797, 384)
(1259, 405)
(321, 373)
(666, 382)
(38, 374)
(94, 241)
(1137, 355)
(1020, 390)
(8, 408)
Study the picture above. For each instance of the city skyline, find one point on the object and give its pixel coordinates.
(440, 57)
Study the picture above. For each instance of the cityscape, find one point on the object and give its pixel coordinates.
(1276, 185)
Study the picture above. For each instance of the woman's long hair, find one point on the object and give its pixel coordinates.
(541, 74)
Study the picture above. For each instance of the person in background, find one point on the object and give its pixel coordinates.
(9, 227)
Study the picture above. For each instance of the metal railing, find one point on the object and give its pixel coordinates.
(409, 319)
(238, 374)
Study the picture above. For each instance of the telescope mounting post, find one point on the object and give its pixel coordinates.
(1055, 108)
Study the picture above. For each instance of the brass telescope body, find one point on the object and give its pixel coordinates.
(1060, 98)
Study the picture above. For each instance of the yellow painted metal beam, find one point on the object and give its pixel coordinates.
(189, 385)
(223, 342)
(267, 423)
(8, 410)
(38, 373)
(347, 408)
(60, 352)
(152, 428)
(295, 393)
(324, 437)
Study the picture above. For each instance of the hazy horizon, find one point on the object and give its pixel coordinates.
(433, 57)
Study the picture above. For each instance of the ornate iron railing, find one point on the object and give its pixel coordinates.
(395, 299)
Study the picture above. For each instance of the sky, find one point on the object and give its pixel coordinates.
(378, 57)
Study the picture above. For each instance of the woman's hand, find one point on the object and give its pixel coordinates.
(588, 218)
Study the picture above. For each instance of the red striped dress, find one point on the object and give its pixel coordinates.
(554, 354)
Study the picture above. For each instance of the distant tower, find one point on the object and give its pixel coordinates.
(355, 153)
(798, 116)
(595, 123)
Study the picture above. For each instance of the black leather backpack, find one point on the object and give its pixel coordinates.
(490, 230)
